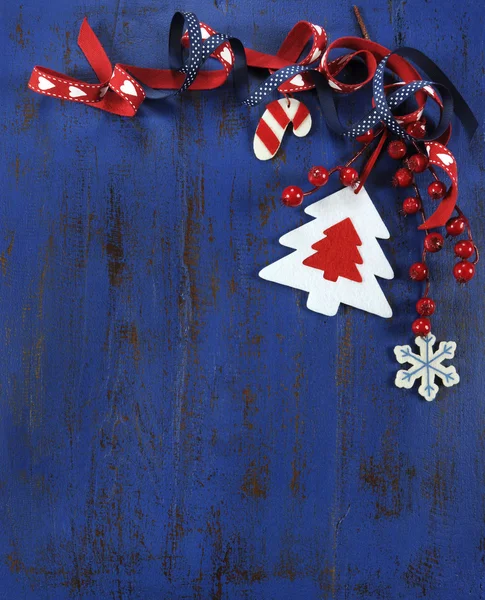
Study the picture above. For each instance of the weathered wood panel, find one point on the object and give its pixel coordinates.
(173, 427)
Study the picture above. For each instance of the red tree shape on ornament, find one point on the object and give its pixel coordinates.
(337, 254)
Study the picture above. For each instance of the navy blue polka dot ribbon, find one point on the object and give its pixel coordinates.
(199, 51)
(273, 82)
(450, 97)
(122, 88)
(191, 61)
(384, 105)
(451, 100)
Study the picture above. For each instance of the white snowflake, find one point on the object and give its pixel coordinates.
(426, 366)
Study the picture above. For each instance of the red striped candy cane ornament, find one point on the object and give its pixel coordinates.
(272, 125)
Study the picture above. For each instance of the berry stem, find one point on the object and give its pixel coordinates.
(287, 96)
(467, 222)
(469, 232)
(364, 148)
(433, 173)
(458, 210)
(426, 231)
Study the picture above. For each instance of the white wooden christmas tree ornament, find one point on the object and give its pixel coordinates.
(337, 256)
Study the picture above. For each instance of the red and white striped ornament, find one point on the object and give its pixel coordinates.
(272, 125)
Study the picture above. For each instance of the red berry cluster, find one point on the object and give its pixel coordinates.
(464, 270)
(318, 176)
(413, 164)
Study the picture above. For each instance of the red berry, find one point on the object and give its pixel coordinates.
(425, 307)
(417, 163)
(318, 176)
(418, 271)
(433, 242)
(463, 271)
(464, 249)
(366, 137)
(421, 326)
(402, 178)
(455, 226)
(417, 130)
(436, 190)
(397, 149)
(348, 176)
(292, 196)
(411, 205)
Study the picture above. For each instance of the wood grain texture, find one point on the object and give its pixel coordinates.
(170, 425)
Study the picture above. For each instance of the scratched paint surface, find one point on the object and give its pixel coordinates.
(170, 425)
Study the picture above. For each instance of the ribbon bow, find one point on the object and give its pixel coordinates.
(122, 89)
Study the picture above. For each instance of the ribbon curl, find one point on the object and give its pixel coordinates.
(122, 89)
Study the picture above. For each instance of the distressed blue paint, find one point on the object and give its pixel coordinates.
(173, 427)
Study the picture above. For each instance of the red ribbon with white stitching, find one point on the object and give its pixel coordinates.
(119, 90)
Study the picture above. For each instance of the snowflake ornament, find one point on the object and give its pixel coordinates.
(426, 365)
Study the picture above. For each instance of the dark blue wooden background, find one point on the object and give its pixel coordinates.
(171, 426)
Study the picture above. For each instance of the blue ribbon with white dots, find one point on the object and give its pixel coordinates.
(198, 52)
(382, 113)
(384, 105)
(451, 99)
(274, 81)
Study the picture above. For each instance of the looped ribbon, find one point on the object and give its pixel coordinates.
(228, 50)
(122, 88)
(376, 58)
(386, 98)
(117, 91)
